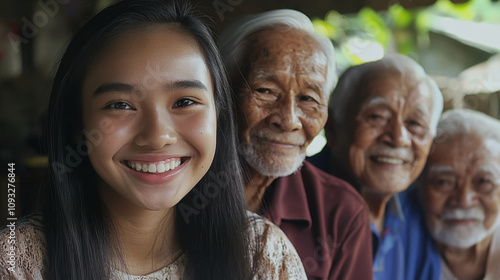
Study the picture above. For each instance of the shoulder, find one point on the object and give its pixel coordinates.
(331, 190)
(22, 248)
(274, 256)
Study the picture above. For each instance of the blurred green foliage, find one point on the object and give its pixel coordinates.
(396, 29)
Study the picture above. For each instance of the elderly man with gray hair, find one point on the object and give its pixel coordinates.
(282, 74)
(382, 120)
(460, 195)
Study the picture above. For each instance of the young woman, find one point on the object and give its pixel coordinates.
(143, 179)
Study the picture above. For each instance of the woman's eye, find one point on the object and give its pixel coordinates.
(119, 105)
(184, 102)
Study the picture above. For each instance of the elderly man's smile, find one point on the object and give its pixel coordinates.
(278, 143)
(387, 160)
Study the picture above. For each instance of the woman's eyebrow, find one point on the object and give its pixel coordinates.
(126, 88)
(113, 87)
(184, 84)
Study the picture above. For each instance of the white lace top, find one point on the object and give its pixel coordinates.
(279, 260)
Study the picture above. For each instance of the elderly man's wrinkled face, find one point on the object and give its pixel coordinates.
(387, 138)
(461, 189)
(283, 104)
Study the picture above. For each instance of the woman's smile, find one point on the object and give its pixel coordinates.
(154, 167)
(157, 172)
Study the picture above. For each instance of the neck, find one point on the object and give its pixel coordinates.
(146, 239)
(376, 203)
(469, 263)
(255, 187)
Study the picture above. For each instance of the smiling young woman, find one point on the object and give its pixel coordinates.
(141, 97)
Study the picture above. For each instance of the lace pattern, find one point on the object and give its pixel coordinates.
(29, 250)
(275, 256)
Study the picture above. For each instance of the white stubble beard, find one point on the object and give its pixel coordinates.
(462, 236)
(271, 167)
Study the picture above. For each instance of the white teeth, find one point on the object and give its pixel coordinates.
(152, 168)
(387, 160)
(159, 167)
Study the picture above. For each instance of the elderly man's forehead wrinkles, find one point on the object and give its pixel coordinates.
(387, 88)
(264, 75)
(316, 86)
(421, 110)
(313, 80)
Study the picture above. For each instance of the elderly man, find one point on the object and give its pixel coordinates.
(382, 119)
(282, 74)
(460, 191)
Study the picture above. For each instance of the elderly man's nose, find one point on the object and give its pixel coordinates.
(156, 131)
(397, 134)
(286, 116)
(464, 196)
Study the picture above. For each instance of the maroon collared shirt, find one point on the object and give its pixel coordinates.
(327, 222)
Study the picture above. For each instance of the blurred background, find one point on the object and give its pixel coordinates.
(457, 42)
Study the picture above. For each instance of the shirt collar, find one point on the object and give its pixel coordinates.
(394, 219)
(395, 209)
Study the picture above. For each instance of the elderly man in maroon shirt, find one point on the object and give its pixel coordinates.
(282, 75)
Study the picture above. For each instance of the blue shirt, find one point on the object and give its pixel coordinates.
(388, 260)
(404, 250)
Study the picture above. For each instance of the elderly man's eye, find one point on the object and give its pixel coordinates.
(307, 98)
(377, 119)
(414, 123)
(484, 185)
(443, 185)
(263, 90)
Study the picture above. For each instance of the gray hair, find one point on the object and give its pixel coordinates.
(231, 42)
(355, 77)
(465, 121)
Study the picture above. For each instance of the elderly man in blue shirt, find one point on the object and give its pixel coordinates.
(382, 120)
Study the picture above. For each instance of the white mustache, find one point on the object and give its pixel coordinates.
(279, 137)
(463, 214)
(404, 154)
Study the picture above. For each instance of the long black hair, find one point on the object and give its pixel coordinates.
(212, 232)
